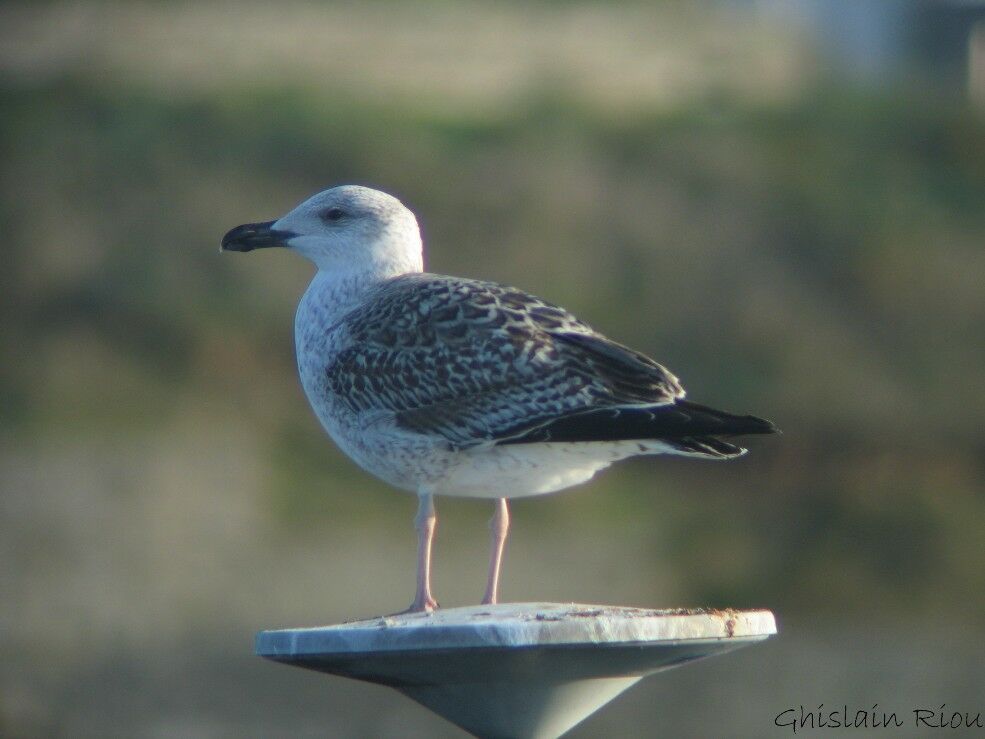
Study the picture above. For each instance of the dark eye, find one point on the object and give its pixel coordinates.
(332, 214)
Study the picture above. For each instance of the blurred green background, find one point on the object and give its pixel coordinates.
(794, 225)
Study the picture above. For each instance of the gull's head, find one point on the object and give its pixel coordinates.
(345, 229)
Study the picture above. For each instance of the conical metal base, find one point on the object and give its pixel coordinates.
(519, 670)
(541, 710)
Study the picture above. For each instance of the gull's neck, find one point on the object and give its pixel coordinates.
(333, 292)
(336, 293)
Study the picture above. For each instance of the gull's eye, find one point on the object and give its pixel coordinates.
(332, 214)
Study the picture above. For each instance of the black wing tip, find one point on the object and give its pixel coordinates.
(671, 423)
(759, 425)
(726, 424)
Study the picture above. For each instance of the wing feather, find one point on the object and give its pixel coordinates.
(478, 362)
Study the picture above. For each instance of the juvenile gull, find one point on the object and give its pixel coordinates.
(448, 386)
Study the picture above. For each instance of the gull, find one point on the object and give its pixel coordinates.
(443, 385)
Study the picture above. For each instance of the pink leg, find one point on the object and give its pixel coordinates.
(424, 523)
(499, 525)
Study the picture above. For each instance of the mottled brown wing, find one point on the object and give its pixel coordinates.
(477, 362)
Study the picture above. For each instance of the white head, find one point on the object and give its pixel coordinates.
(348, 229)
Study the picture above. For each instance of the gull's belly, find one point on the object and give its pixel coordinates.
(419, 464)
(523, 470)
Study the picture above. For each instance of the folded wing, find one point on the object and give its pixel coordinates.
(479, 363)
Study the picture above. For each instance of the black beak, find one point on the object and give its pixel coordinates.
(252, 236)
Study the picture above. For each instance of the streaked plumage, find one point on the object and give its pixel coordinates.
(475, 362)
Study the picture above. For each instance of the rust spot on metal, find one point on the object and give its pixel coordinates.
(728, 617)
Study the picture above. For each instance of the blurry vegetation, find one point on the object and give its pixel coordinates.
(819, 262)
(682, 175)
